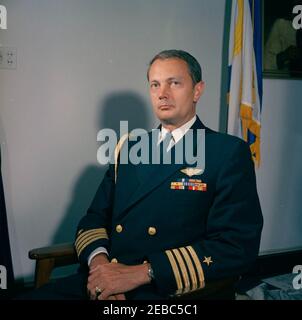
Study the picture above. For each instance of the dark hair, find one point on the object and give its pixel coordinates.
(193, 65)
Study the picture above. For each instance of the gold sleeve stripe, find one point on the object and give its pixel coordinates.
(83, 245)
(88, 237)
(87, 244)
(183, 270)
(84, 234)
(81, 241)
(175, 270)
(89, 232)
(190, 267)
(198, 266)
(88, 240)
(80, 231)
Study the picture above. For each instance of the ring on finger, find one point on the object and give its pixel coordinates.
(98, 291)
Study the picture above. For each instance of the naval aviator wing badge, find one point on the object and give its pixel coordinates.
(192, 171)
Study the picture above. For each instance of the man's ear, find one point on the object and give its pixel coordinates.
(198, 90)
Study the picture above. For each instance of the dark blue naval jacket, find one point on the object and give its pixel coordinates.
(190, 237)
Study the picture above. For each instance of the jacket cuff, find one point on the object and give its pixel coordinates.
(177, 271)
(87, 241)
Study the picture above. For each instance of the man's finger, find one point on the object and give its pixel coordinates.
(92, 296)
(93, 291)
(93, 276)
(94, 269)
(105, 294)
(92, 279)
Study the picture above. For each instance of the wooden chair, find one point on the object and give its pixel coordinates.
(48, 258)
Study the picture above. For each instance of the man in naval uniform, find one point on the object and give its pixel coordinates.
(160, 231)
(156, 231)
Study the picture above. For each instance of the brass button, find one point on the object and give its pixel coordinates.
(152, 231)
(119, 228)
(114, 260)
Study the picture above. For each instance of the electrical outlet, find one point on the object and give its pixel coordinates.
(8, 58)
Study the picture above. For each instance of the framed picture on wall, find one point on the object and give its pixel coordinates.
(282, 42)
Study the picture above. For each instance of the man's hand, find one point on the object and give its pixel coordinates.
(98, 260)
(113, 279)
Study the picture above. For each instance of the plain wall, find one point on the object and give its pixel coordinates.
(280, 175)
(82, 67)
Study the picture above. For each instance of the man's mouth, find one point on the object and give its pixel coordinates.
(165, 106)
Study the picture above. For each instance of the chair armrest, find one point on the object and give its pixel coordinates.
(48, 258)
(54, 251)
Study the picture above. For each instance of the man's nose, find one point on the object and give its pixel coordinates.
(163, 92)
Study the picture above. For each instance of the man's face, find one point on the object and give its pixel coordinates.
(172, 92)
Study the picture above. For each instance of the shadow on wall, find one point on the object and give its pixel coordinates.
(116, 107)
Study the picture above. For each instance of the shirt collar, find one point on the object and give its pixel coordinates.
(177, 133)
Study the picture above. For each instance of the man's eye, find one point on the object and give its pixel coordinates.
(175, 83)
(154, 85)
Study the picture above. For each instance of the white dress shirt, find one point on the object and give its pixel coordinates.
(177, 133)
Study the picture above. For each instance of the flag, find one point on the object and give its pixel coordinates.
(5, 253)
(245, 74)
